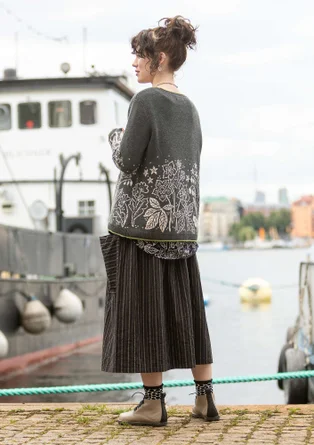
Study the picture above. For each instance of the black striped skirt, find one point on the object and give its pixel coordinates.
(154, 316)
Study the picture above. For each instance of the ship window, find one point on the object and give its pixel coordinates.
(88, 109)
(29, 115)
(5, 117)
(86, 208)
(60, 114)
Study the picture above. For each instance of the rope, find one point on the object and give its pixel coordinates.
(223, 283)
(237, 285)
(29, 26)
(137, 385)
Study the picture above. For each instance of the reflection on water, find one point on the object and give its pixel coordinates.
(246, 339)
(248, 307)
(80, 368)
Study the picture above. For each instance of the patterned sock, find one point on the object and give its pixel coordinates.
(153, 392)
(202, 386)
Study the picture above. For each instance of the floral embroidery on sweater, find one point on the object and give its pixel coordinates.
(167, 200)
(169, 250)
(115, 137)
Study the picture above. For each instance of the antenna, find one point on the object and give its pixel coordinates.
(255, 180)
(16, 45)
(84, 48)
(255, 175)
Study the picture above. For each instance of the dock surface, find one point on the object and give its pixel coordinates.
(96, 424)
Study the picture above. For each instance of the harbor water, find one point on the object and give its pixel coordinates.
(246, 340)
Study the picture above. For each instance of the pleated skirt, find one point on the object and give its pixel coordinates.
(154, 316)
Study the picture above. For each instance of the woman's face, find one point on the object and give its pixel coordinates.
(142, 69)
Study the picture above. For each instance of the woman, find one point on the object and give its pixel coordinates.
(154, 313)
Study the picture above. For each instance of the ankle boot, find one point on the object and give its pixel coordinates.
(148, 413)
(205, 407)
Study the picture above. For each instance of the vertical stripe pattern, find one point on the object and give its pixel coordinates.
(154, 316)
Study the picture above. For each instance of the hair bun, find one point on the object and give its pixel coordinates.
(182, 28)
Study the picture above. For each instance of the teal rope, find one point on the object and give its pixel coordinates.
(137, 385)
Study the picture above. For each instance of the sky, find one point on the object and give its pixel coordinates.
(251, 76)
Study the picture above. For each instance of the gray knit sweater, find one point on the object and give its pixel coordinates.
(157, 193)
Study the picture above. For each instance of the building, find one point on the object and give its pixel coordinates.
(260, 205)
(217, 214)
(260, 197)
(265, 209)
(44, 122)
(283, 197)
(302, 216)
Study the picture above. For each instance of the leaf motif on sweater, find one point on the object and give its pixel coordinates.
(124, 217)
(141, 208)
(150, 212)
(168, 207)
(150, 249)
(152, 221)
(163, 220)
(154, 203)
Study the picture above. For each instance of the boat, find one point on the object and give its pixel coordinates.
(56, 180)
(217, 246)
(297, 353)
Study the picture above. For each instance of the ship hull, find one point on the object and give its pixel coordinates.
(27, 349)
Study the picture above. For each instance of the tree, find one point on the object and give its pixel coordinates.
(246, 233)
(242, 233)
(255, 220)
(234, 230)
(280, 219)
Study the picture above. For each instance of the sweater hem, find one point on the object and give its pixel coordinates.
(154, 240)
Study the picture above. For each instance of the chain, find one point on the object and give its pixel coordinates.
(163, 83)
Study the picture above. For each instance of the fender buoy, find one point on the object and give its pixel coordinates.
(68, 307)
(255, 290)
(4, 345)
(36, 317)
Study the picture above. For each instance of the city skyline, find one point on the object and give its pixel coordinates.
(259, 197)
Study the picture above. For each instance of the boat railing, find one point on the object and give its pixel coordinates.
(25, 252)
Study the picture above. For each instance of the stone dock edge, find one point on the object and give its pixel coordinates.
(96, 423)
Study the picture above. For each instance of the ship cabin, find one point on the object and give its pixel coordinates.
(54, 137)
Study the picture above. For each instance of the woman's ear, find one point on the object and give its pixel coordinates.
(162, 57)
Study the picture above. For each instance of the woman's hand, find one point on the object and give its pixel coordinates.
(112, 133)
(115, 138)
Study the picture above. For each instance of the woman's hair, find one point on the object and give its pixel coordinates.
(173, 38)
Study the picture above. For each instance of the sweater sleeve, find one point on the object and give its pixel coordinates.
(129, 146)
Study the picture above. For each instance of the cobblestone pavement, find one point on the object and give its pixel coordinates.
(77, 423)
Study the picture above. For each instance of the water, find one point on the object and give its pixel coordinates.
(245, 340)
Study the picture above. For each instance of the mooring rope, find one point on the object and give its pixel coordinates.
(137, 385)
(238, 285)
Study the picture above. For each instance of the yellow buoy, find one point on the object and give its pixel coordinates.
(255, 290)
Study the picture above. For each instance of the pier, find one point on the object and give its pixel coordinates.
(95, 423)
